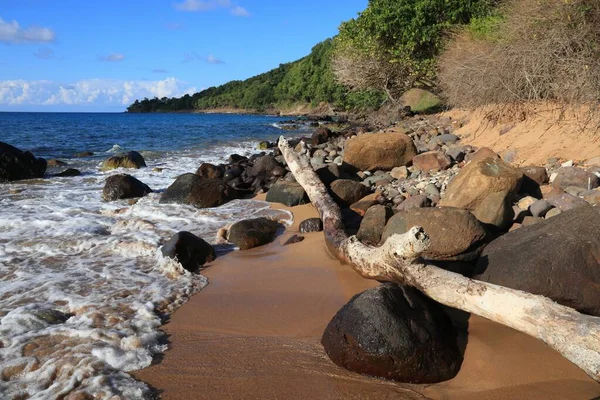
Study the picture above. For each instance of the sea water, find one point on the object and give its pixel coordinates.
(84, 288)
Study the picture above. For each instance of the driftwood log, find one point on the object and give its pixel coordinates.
(574, 335)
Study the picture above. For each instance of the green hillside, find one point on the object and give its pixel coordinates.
(309, 80)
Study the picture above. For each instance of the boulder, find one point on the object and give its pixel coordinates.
(373, 224)
(591, 196)
(399, 172)
(328, 173)
(496, 209)
(566, 201)
(416, 201)
(289, 193)
(191, 251)
(198, 192)
(346, 192)
(123, 186)
(540, 208)
(263, 166)
(320, 136)
(394, 332)
(478, 180)
(573, 176)
(536, 173)
(558, 258)
(251, 233)
(311, 225)
(431, 161)
(132, 159)
(455, 233)
(16, 164)
(210, 171)
(378, 151)
(293, 240)
(482, 153)
(365, 203)
(69, 172)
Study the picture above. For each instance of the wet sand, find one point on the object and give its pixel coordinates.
(254, 333)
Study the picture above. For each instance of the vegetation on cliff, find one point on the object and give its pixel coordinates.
(309, 80)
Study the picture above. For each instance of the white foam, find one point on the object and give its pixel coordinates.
(62, 248)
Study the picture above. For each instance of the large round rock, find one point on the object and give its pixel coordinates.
(558, 258)
(132, 159)
(378, 151)
(478, 180)
(455, 233)
(124, 186)
(198, 192)
(16, 164)
(573, 176)
(191, 251)
(289, 193)
(251, 233)
(394, 332)
(210, 171)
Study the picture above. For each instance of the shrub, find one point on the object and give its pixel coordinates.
(543, 50)
(394, 43)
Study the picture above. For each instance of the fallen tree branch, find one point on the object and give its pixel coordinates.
(574, 335)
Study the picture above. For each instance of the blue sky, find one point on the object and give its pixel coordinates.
(76, 55)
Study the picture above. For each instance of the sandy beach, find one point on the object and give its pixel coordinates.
(254, 333)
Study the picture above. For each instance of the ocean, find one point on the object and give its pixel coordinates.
(84, 288)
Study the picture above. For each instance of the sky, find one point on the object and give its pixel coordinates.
(78, 55)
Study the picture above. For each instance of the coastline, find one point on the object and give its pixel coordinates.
(254, 332)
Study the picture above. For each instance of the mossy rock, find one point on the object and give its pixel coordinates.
(133, 160)
(421, 101)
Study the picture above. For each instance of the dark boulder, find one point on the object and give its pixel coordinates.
(198, 192)
(16, 164)
(320, 136)
(558, 258)
(210, 171)
(251, 233)
(293, 240)
(263, 166)
(311, 225)
(347, 192)
(289, 193)
(394, 332)
(132, 159)
(123, 186)
(69, 172)
(191, 251)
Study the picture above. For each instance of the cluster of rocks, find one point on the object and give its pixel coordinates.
(486, 218)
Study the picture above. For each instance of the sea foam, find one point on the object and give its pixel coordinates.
(83, 285)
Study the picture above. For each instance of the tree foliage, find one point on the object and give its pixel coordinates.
(394, 43)
(309, 80)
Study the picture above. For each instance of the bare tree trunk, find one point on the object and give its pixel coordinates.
(576, 336)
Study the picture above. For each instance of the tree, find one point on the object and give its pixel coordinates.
(393, 43)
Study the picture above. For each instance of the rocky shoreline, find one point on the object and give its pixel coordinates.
(487, 219)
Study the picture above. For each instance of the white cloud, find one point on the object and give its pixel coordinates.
(209, 5)
(240, 12)
(113, 57)
(97, 92)
(12, 32)
(213, 60)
